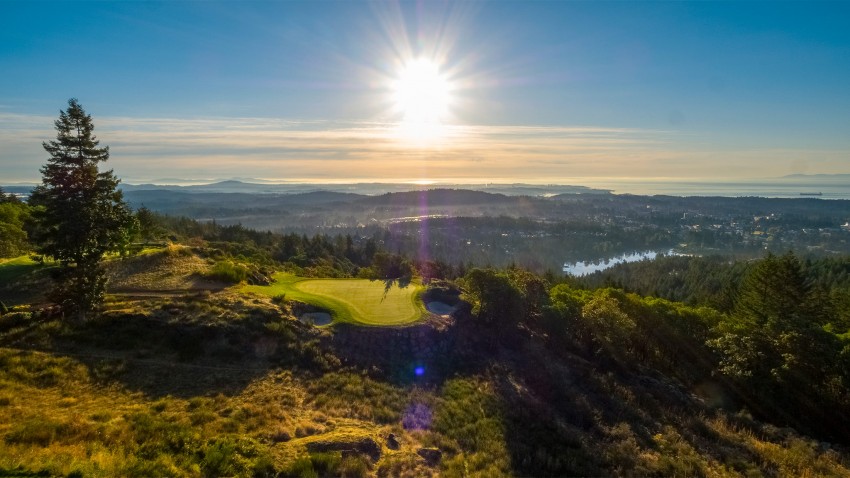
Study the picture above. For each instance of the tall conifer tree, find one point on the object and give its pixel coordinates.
(82, 214)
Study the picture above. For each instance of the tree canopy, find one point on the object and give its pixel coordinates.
(80, 212)
(14, 214)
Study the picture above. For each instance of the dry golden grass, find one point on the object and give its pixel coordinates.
(173, 268)
(56, 416)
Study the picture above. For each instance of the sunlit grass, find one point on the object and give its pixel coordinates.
(350, 300)
(56, 417)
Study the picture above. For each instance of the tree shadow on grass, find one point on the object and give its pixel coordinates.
(400, 282)
(159, 354)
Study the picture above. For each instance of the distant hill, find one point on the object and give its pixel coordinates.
(202, 203)
(261, 187)
(819, 177)
(437, 197)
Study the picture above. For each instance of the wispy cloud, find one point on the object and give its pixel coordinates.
(148, 148)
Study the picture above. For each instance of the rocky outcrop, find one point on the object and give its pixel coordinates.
(360, 446)
(432, 456)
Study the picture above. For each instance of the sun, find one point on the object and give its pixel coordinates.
(422, 94)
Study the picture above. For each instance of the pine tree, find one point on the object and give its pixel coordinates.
(81, 213)
(776, 350)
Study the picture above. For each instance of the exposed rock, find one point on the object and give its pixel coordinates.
(364, 446)
(431, 455)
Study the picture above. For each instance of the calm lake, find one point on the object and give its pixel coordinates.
(584, 268)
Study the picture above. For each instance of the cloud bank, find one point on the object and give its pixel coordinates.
(144, 149)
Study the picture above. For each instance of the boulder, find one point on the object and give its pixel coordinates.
(363, 446)
(432, 456)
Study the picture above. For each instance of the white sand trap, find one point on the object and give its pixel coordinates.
(316, 318)
(439, 308)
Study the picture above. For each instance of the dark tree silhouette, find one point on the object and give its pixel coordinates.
(81, 213)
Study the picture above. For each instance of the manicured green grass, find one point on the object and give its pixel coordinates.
(351, 300)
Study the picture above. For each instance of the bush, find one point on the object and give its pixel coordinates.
(13, 319)
(301, 468)
(227, 271)
(354, 467)
(175, 250)
(35, 431)
(230, 456)
(316, 465)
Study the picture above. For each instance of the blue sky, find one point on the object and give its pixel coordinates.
(542, 91)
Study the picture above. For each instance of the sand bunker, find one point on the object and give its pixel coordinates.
(316, 318)
(439, 308)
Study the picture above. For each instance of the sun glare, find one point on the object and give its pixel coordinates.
(422, 94)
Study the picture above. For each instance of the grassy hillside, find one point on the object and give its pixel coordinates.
(174, 269)
(358, 301)
(223, 385)
(169, 269)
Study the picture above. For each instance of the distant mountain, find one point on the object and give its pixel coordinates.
(228, 186)
(203, 203)
(265, 187)
(829, 177)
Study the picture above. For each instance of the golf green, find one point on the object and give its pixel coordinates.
(351, 300)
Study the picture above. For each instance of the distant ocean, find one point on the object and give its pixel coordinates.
(821, 187)
(772, 189)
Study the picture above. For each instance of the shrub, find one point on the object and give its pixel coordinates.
(315, 465)
(201, 417)
(175, 250)
(468, 415)
(232, 456)
(354, 467)
(301, 468)
(13, 319)
(156, 435)
(228, 271)
(35, 431)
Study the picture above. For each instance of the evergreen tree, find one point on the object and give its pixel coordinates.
(14, 214)
(776, 350)
(81, 213)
